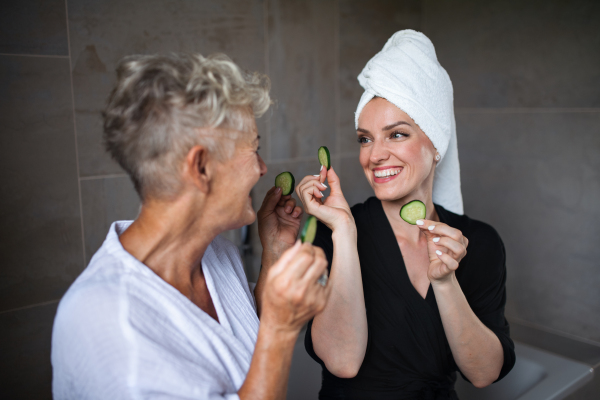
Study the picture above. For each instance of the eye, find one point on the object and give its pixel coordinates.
(363, 140)
(398, 135)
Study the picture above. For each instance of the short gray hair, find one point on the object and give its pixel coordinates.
(161, 105)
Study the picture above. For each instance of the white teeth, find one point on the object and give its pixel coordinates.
(386, 172)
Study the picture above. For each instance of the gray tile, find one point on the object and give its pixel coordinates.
(105, 200)
(536, 178)
(302, 68)
(518, 53)
(104, 32)
(364, 29)
(40, 248)
(25, 338)
(34, 27)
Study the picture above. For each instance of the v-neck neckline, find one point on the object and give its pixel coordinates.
(404, 272)
(222, 324)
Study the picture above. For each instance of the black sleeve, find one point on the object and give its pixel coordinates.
(324, 241)
(484, 286)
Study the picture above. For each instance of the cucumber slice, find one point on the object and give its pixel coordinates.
(413, 211)
(286, 182)
(309, 231)
(324, 157)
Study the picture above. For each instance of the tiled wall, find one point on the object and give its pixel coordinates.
(527, 97)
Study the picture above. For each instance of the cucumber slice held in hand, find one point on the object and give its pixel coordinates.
(308, 236)
(286, 182)
(324, 157)
(413, 211)
(309, 231)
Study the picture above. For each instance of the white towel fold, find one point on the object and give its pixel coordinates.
(406, 72)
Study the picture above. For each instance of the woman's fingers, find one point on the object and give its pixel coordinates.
(334, 182)
(455, 247)
(317, 268)
(270, 201)
(448, 260)
(289, 205)
(441, 229)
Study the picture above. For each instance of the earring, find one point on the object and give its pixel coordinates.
(437, 157)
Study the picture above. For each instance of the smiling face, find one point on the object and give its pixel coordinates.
(396, 155)
(236, 177)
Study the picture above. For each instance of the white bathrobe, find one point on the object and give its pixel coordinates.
(121, 332)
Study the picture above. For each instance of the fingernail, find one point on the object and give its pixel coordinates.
(435, 240)
(317, 175)
(419, 222)
(439, 253)
(321, 168)
(322, 194)
(278, 190)
(431, 227)
(288, 209)
(324, 185)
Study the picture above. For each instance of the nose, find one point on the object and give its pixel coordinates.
(262, 166)
(379, 152)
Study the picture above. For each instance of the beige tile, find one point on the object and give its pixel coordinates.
(535, 178)
(34, 27)
(41, 248)
(364, 29)
(518, 54)
(105, 200)
(102, 33)
(25, 339)
(302, 68)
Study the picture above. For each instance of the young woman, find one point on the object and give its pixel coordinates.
(409, 305)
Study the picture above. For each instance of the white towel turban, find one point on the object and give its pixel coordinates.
(407, 74)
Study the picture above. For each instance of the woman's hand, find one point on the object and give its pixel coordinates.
(446, 247)
(334, 211)
(278, 225)
(292, 294)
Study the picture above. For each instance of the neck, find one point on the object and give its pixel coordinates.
(171, 237)
(402, 228)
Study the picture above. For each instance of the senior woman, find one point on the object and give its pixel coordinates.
(164, 309)
(409, 306)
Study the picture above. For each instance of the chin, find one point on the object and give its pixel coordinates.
(391, 193)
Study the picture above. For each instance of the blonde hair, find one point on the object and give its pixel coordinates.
(162, 105)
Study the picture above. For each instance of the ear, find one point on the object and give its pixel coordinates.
(198, 168)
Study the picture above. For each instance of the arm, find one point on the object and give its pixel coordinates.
(340, 332)
(292, 296)
(476, 349)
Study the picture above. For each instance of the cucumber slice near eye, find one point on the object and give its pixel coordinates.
(309, 231)
(413, 211)
(324, 157)
(286, 182)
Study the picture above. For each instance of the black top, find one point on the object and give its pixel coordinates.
(408, 355)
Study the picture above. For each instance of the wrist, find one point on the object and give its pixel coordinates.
(276, 333)
(345, 228)
(449, 282)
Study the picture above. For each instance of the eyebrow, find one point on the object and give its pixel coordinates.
(385, 128)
